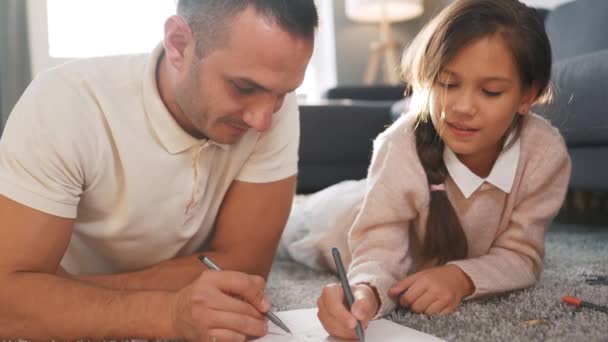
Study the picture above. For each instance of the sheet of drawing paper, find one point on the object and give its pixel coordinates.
(306, 327)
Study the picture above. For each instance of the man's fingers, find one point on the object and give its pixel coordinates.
(225, 302)
(248, 287)
(221, 335)
(241, 324)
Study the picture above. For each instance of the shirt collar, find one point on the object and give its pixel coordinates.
(501, 176)
(170, 134)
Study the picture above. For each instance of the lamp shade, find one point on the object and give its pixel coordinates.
(373, 11)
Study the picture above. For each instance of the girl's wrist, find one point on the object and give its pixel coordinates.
(376, 296)
(467, 285)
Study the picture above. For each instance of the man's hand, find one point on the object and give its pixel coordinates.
(438, 290)
(336, 318)
(221, 306)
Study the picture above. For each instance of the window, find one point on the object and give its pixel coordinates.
(78, 28)
(65, 29)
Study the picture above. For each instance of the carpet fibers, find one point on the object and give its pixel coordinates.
(535, 314)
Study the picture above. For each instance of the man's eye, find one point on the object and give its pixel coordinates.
(244, 89)
(492, 93)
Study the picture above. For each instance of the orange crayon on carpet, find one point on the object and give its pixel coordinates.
(581, 303)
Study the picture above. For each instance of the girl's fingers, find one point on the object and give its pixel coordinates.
(334, 315)
(365, 305)
(402, 285)
(411, 295)
(449, 309)
(336, 306)
(423, 302)
(435, 308)
(331, 324)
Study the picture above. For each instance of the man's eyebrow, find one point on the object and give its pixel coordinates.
(250, 83)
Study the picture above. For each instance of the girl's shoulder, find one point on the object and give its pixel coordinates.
(538, 134)
(400, 132)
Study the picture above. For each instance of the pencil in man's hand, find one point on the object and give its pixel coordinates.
(271, 316)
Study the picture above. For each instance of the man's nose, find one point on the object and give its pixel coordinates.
(259, 115)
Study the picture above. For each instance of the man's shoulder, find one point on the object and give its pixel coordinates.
(107, 70)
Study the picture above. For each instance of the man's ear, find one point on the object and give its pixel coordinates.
(179, 42)
(530, 95)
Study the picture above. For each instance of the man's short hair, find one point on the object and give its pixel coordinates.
(210, 19)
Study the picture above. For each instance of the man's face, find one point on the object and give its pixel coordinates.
(240, 85)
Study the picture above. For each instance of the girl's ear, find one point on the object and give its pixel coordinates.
(528, 97)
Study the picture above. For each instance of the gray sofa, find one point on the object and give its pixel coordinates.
(336, 141)
(579, 39)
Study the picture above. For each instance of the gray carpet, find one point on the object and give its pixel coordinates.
(534, 314)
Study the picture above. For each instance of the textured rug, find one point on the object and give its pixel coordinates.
(535, 314)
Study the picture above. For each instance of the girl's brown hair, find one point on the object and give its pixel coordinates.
(459, 24)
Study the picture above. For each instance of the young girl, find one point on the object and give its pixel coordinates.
(462, 187)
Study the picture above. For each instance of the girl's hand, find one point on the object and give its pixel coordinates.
(336, 318)
(438, 290)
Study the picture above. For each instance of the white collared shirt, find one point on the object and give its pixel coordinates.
(501, 176)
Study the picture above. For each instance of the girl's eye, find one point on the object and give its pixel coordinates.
(492, 93)
(446, 85)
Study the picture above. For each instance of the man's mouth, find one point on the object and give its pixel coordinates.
(238, 127)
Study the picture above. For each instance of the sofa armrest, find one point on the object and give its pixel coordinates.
(366, 93)
(336, 141)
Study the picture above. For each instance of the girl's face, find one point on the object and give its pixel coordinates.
(476, 98)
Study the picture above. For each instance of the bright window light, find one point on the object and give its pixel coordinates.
(90, 28)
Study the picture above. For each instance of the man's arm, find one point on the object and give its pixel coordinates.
(250, 223)
(37, 304)
(247, 232)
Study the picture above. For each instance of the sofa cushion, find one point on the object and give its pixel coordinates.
(577, 28)
(580, 100)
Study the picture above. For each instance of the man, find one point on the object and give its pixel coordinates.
(114, 172)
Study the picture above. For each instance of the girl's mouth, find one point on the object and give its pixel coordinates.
(460, 130)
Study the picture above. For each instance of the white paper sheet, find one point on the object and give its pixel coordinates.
(306, 327)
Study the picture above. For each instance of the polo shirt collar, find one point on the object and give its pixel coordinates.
(170, 134)
(502, 175)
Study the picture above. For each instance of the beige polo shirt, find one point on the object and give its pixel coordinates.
(93, 141)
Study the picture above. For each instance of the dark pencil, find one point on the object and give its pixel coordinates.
(346, 287)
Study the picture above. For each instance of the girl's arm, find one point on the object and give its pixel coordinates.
(378, 239)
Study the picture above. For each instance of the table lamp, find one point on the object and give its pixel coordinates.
(384, 12)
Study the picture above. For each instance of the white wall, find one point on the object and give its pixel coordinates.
(322, 74)
(38, 32)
